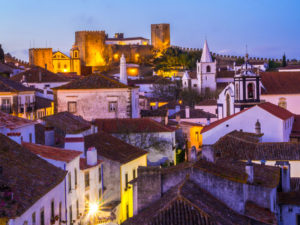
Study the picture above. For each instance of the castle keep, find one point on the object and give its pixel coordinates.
(94, 49)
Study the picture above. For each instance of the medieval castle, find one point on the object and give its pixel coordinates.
(94, 50)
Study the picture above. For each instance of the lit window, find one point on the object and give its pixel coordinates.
(87, 179)
(72, 107)
(112, 106)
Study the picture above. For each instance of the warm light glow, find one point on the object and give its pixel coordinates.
(145, 43)
(93, 208)
(116, 56)
(65, 70)
(132, 71)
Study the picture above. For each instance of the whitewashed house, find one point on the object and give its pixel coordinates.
(31, 188)
(97, 96)
(16, 128)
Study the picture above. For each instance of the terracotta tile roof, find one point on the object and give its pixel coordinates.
(5, 68)
(296, 127)
(260, 214)
(194, 113)
(280, 83)
(41, 103)
(139, 125)
(113, 148)
(150, 80)
(85, 166)
(289, 198)
(187, 204)
(276, 110)
(93, 82)
(295, 183)
(67, 122)
(154, 113)
(244, 147)
(28, 176)
(225, 74)
(289, 67)
(52, 152)
(266, 176)
(13, 122)
(189, 123)
(33, 76)
(7, 85)
(208, 102)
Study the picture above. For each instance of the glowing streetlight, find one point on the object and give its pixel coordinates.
(93, 210)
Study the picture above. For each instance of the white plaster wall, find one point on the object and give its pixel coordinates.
(93, 104)
(292, 101)
(25, 132)
(221, 102)
(271, 126)
(51, 84)
(289, 214)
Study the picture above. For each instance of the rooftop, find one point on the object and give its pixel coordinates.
(67, 122)
(296, 127)
(154, 113)
(7, 85)
(39, 75)
(13, 122)
(194, 113)
(93, 82)
(113, 148)
(49, 152)
(41, 102)
(27, 176)
(84, 166)
(138, 125)
(208, 102)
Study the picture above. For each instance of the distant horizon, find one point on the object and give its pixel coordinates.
(266, 27)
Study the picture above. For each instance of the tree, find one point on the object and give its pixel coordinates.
(1, 55)
(283, 61)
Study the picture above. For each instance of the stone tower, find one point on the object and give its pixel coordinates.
(75, 60)
(92, 48)
(41, 57)
(160, 36)
(206, 71)
(1, 54)
(123, 72)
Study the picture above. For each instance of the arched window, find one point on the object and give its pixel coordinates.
(282, 102)
(250, 88)
(208, 69)
(227, 105)
(237, 92)
(58, 65)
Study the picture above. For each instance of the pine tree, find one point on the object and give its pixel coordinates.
(1, 55)
(283, 60)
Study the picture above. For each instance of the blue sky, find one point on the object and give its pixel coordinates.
(268, 27)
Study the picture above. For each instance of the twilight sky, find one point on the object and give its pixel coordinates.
(268, 27)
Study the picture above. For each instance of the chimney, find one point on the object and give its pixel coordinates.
(257, 127)
(91, 156)
(40, 75)
(285, 177)
(94, 128)
(187, 112)
(75, 142)
(250, 171)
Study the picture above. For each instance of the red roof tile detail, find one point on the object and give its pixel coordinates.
(52, 152)
(276, 110)
(13, 122)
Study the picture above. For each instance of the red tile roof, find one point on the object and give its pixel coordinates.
(7, 85)
(139, 125)
(52, 152)
(296, 127)
(194, 114)
(85, 166)
(280, 83)
(13, 122)
(276, 110)
(208, 102)
(113, 148)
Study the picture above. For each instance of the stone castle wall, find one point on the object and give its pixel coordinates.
(160, 36)
(41, 57)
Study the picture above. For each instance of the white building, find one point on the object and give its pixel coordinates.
(84, 184)
(16, 128)
(120, 40)
(273, 121)
(33, 187)
(98, 96)
(206, 73)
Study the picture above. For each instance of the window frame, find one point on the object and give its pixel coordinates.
(69, 107)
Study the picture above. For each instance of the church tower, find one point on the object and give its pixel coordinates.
(247, 87)
(206, 71)
(123, 72)
(75, 60)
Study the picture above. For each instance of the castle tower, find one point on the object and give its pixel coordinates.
(160, 36)
(75, 60)
(206, 71)
(247, 86)
(41, 57)
(123, 72)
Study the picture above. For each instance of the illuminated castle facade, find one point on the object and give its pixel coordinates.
(94, 49)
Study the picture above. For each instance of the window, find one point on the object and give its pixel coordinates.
(208, 69)
(33, 218)
(70, 214)
(75, 54)
(77, 209)
(70, 181)
(197, 136)
(42, 217)
(58, 65)
(237, 92)
(87, 179)
(6, 105)
(227, 105)
(86, 203)
(126, 180)
(250, 90)
(100, 194)
(112, 106)
(282, 102)
(25, 222)
(30, 137)
(72, 107)
(52, 209)
(75, 174)
(27, 100)
(133, 174)
(127, 211)
(65, 66)
(59, 212)
(195, 85)
(99, 174)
